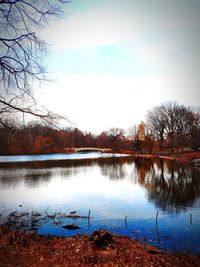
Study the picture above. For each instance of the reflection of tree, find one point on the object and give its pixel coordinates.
(9, 180)
(145, 169)
(170, 185)
(115, 168)
(38, 172)
(35, 178)
(31, 177)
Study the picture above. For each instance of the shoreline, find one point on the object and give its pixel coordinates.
(186, 157)
(24, 249)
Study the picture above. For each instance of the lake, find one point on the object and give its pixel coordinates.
(155, 201)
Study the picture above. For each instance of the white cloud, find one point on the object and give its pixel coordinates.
(97, 103)
(96, 27)
(159, 44)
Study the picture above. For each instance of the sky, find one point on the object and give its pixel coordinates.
(111, 60)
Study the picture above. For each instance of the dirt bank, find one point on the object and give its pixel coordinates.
(23, 249)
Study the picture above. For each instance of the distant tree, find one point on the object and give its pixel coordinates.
(183, 122)
(133, 133)
(115, 138)
(138, 146)
(142, 138)
(156, 122)
(170, 111)
(136, 143)
(196, 140)
(194, 128)
(148, 142)
(102, 140)
(20, 53)
(177, 124)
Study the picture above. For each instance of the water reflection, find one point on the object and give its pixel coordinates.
(112, 188)
(13, 173)
(171, 186)
(35, 178)
(115, 169)
(11, 178)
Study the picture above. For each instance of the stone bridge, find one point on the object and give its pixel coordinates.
(90, 149)
(86, 149)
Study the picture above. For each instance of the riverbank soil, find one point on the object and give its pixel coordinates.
(23, 249)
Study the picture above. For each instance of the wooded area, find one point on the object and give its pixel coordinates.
(168, 126)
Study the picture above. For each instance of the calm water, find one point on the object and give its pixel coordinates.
(111, 188)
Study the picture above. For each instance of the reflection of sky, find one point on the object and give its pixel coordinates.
(80, 188)
(45, 157)
(89, 189)
(84, 187)
(110, 198)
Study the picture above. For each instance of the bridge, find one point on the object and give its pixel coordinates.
(87, 149)
(91, 149)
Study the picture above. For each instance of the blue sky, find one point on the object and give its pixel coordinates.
(114, 60)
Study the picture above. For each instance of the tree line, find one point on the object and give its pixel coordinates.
(168, 125)
(176, 125)
(37, 138)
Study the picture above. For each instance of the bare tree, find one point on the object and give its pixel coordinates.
(115, 138)
(20, 55)
(170, 110)
(183, 122)
(133, 132)
(156, 123)
(149, 139)
(193, 118)
(176, 123)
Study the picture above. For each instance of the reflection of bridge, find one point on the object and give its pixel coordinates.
(91, 149)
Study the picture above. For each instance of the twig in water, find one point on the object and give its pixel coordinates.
(126, 219)
(157, 217)
(89, 219)
(157, 232)
(190, 219)
(89, 214)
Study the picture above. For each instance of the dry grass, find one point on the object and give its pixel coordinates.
(22, 249)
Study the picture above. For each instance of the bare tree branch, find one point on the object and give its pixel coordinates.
(20, 54)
